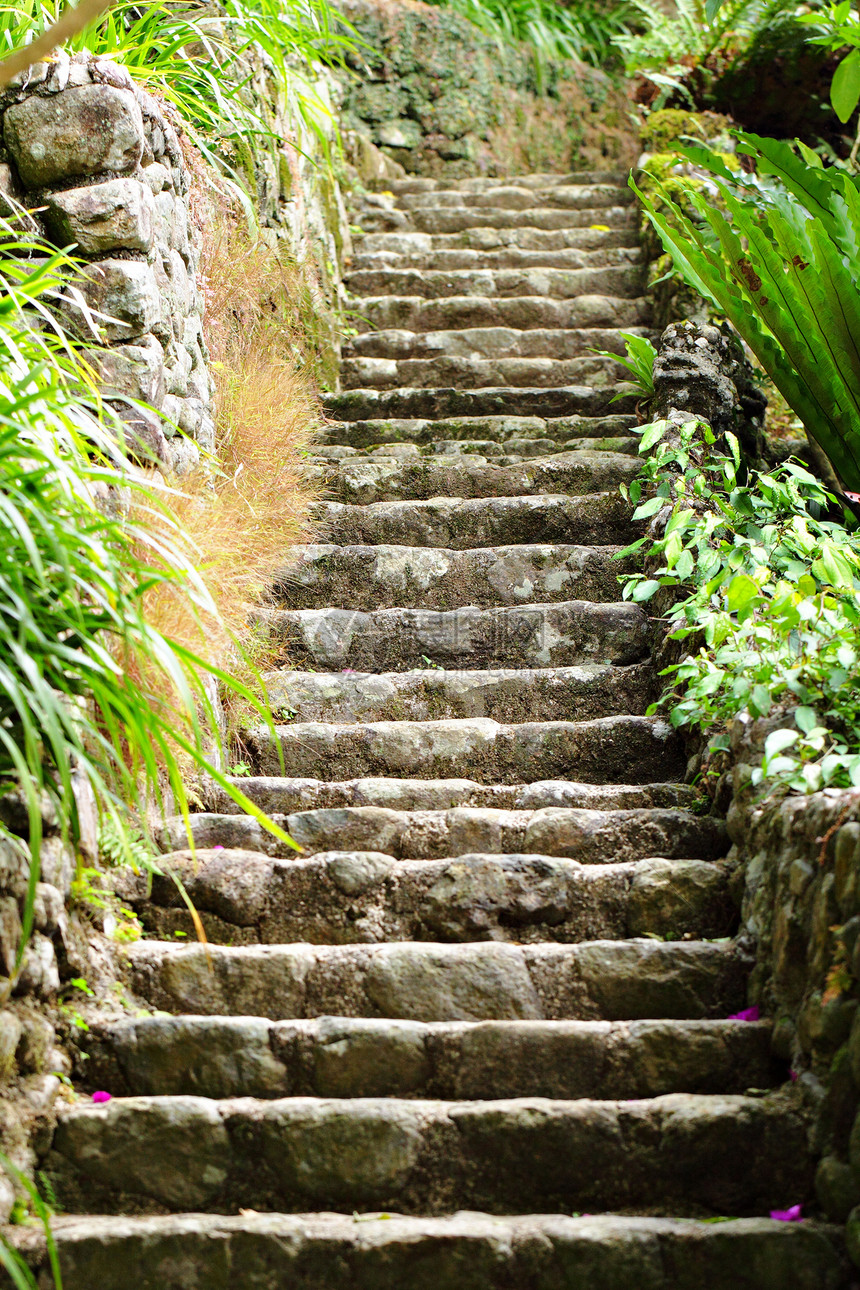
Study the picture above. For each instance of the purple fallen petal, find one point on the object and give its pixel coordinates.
(218, 847)
(793, 1076)
(101, 1096)
(748, 1014)
(790, 1215)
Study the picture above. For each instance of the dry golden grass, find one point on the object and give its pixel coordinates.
(241, 513)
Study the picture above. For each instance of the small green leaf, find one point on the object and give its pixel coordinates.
(845, 86)
(777, 741)
(645, 590)
(805, 719)
(649, 508)
(742, 591)
(652, 434)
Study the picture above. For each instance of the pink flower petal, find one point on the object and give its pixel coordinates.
(748, 1014)
(790, 1215)
(218, 847)
(101, 1096)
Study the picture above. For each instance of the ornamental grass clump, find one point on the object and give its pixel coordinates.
(89, 685)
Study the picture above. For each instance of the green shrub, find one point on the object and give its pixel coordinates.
(765, 591)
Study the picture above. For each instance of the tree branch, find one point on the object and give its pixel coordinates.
(70, 22)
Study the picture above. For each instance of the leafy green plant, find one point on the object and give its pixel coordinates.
(779, 254)
(765, 591)
(701, 34)
(554, 31)
(638, 358)
(837, 27)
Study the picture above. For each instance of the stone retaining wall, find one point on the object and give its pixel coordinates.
(100, 162)
(800, 856)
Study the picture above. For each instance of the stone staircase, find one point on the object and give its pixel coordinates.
(478, 1034)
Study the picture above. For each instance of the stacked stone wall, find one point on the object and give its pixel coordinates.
(97, 160)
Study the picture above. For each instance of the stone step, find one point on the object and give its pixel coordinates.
(356, 897)
(679, 1153)
(462, 524)
(221, 1057)
(408, 242)
(417, 313)
(587, 834)
(401, 639)
(404, 256)
(512, 453)
(399, 432)
(519, 197)
(412, 402)
(533, 694)
(281, 796)
(489, 342)
(555, 284)
(631, 980)
(608, 750)
(381, 577)
(470, 1251)
(470, 373)
(440, 219)
(457, 475)
(484, 183)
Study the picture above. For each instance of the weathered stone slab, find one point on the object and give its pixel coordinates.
(82, 131)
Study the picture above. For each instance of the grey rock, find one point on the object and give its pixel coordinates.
(122, 296)
(81, 131)
(177, 1149)
(132, 371)
(116, 215)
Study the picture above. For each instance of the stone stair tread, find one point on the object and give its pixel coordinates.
(535, 694)
(411, 242)
(456, 523)
(623, 281)
(441, 219)
(679, 1152)
(469, 373)
(607, 749)
(381, 577)
(485, 451)
(419, 314)
(590, 836)
(510, 257)
(489, 342)
(379, 435)
(421, 401)
(482, 183)
(425, 981)
(558, 634)
(367, 897)
(388, 1252)
(420, 478)
(516, 196)
(279, 795)
(220, 1057)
